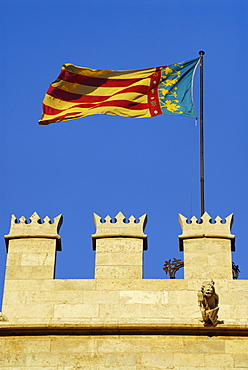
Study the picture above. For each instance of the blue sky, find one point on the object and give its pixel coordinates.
(107, 164)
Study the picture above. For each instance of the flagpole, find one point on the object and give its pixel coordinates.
(201, 53)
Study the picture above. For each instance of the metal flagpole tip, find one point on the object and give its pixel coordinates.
(201, 53)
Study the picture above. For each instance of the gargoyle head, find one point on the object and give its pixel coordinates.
(208, 288)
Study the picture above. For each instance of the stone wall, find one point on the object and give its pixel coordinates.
(118, 320)
(129, 352)
(120, 301)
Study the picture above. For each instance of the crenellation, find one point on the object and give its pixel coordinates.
(205, 228)
(32, 248)
(106, 322)
(117, 227)
(35, 228)
(119, 247)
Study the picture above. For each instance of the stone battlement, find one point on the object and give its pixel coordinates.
(109, 322)
(108, 227)
(35, 228)
(118, 293)
(205, 228)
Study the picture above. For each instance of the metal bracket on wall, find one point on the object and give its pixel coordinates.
(172, 266)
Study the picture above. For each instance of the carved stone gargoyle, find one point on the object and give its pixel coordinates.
(208, 301)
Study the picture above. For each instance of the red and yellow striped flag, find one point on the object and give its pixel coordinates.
(80, 92)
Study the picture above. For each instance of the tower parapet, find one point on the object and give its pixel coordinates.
(32, 247)
(118, 226)
(119, 246)
(35, 228)
(204, 228)
(207, 247)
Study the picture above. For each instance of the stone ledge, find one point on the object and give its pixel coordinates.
(115, 329)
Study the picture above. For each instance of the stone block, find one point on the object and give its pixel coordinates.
(29, 272)
(157, 360)
(10, 345)
(123, 359)
(145, 297)
(36, 345)
(166, 344)
(238, 285)
(119, 245)
(114, 344)
(117, 284)
(119, 311)
(207, 258)
(96, 297)
(189, 311)
(216, 360)
(63, 311)
(34, 297)
(113, 258)
(137, 310)
(47, 359)
(189, 359)
(14, 259)
(143, 284)
(237, 346)
(74, 284)
(73, 344)
(118, 272)
(119, 367)
(27, 285)
(12, 360)
(241, 361)
(237, 297)
(174, 297)
(238, 311)
(21, 311)
(188, 298)
(173, 311)
(33, 245)
(201, 345)
(123, 344)
(224, 312)
(37, 259)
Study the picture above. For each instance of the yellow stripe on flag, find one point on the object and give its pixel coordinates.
(64, 105)
(94, 90)
(105, 73)
(112, 110)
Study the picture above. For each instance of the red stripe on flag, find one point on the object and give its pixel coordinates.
(61, 118)
(113, 103)
(77, 98)
(71, 97)
(95, 81)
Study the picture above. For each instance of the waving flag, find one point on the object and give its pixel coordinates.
(80, 92)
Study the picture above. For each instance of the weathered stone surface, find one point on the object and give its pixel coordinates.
(119, 258)
(31, 245)
(120, 301)
(206, 258)
(112, 258)
(124, 352)
(75, 310)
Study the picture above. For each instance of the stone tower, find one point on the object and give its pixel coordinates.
(118, 320)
